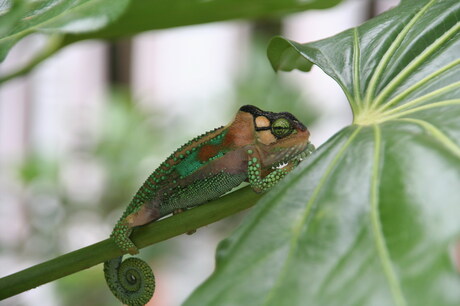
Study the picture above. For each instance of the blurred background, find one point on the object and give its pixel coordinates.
(81, 132)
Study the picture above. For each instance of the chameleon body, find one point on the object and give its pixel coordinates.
(257, 146)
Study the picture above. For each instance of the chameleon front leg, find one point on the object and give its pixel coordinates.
(261, 184)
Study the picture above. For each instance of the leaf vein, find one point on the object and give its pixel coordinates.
(390, 51)
(436, 133)
(356, 67)
(377, 231)
(341, 261)
(37, 27)
(424, 107)
(404, 73)
(419, 84)
(298, 227)
(424, 98)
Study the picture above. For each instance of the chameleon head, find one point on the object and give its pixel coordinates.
(278, 137)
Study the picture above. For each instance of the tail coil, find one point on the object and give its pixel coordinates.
(131, 281)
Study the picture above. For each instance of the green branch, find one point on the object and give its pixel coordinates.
(144, 236)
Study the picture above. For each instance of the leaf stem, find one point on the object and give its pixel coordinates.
(143, 236)
(53, 45)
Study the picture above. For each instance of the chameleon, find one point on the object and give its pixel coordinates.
(259, 147)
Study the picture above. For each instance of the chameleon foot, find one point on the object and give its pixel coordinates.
(178, 211)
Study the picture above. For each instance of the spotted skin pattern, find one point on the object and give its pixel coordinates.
(258, 146)
(260, 184)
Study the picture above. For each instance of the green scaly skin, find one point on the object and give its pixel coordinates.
(257, 146)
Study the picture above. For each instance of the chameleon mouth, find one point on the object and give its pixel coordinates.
(298, 153)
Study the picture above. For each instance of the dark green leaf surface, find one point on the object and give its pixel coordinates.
(371, 217)
(54, 17)
(86, 19)
(143, 15)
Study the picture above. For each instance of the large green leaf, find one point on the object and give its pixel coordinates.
(371, 217)
(22, 17)
(85, 19)
(143, 15)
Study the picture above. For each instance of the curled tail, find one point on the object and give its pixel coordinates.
(131, 281)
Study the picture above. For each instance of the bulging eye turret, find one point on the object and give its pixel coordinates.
(282, 127)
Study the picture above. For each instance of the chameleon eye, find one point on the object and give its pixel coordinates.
(281, 128)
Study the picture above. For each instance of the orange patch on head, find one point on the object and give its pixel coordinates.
(240, 131)
(266, 137)
(262, 121)
(208, 151)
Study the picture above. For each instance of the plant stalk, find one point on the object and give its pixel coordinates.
(53, 45)
(143, 236)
